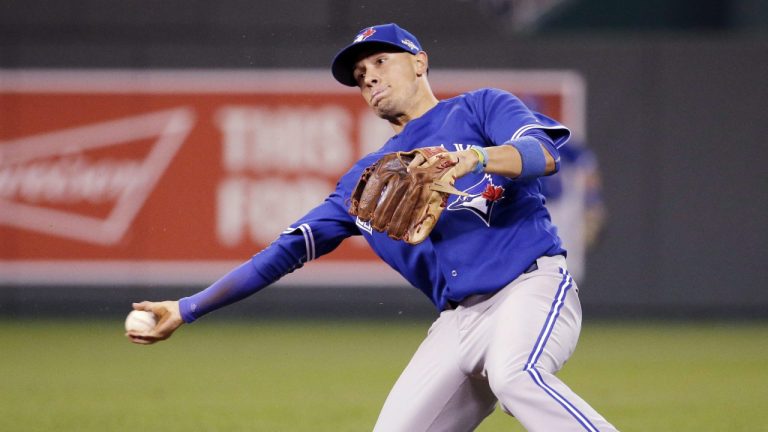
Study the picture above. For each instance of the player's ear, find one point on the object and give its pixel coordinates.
(421, 62)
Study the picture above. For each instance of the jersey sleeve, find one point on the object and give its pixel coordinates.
(320, 231)
(504, 118)
(317, 233)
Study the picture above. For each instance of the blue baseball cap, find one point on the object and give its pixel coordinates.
(387, 35)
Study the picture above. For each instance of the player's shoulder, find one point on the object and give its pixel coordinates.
(488, 92)
(478, 94)
(476, 100)
(488, 96)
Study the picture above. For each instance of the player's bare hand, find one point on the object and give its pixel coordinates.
(168, 320)
(466, 160)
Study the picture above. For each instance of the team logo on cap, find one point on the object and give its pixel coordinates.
(365, 34)
(409, 43)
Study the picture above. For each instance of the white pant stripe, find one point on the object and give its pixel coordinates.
(551, 318)
(562, 401)
(546, 332)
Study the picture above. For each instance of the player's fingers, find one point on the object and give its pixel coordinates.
(149, 336)
(143, 306)
(465, 162)
(451, 158)
(139, 338)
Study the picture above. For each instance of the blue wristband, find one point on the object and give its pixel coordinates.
(532, 156)
(482, 160)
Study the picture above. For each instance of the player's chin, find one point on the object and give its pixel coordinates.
(383, 107)
(381, 113)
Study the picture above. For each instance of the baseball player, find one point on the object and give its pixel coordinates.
(494, 267)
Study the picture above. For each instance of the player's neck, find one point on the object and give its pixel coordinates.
(424, 104)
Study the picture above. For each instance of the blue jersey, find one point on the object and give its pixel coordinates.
(481, 242)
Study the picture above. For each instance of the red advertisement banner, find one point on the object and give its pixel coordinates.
(173, 177)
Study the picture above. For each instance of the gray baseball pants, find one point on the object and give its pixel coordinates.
(501, 348)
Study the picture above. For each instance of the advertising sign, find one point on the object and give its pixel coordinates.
(173, 177)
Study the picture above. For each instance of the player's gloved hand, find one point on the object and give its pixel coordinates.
(168, 320)
(405, 203)
(465, 160)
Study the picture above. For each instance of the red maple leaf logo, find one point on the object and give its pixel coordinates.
(493, 193)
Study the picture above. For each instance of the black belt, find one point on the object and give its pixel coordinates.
(452, 304)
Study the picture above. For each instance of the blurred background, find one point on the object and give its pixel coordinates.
(671, 105)
(149, 146)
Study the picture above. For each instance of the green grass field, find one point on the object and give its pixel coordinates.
(333, 376)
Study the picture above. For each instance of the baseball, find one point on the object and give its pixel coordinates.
(140, 321)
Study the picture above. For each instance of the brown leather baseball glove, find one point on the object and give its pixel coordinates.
(406, 205)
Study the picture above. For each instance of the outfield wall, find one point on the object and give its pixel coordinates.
(677, 121)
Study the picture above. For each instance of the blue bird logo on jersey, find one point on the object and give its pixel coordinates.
(481, 200)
